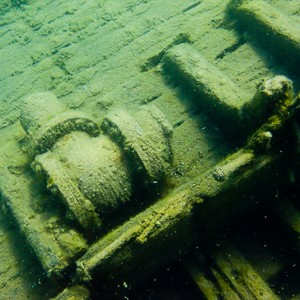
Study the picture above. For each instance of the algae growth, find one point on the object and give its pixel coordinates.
(185, 102)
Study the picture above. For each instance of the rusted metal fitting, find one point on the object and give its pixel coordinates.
(95, 173)
(145, 137)
(45, 120)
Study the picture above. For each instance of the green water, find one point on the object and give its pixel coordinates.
(199, 63)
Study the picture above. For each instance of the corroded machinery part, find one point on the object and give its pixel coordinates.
(220, 96)
(95, 175)
(214, 90)
(206, 202)
(55, 243)
(145, 137)
(272, 94)
(45, 120)
(273, 29)
(89, 174)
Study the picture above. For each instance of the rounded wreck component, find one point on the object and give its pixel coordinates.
(91, 174)
(45, 120)
(145, 139)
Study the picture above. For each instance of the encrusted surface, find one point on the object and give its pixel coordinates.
(96, 56)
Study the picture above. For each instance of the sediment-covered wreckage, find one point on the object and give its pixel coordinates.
(190, 165)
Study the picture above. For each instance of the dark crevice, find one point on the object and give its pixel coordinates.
(177, 124)
(191, 6)
(155, 60)
(231, 49)
(150, 99)
(55, 51)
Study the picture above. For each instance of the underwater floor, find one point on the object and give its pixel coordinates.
(184, 116)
